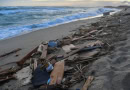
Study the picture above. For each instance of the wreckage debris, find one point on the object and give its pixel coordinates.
(6, 78)
(22, 61)
(40, 76)
(44, 51)
(45, 67)
(87, 83)
(67, 48)
(24, 75)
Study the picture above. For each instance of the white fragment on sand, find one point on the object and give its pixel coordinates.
(67, 48)
(24, 75)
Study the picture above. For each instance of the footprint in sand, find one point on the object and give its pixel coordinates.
(124, 49)
(125, 82)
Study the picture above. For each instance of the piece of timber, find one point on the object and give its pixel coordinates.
(87, 83)
(21, 62)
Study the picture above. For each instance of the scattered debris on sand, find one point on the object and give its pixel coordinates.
(46, 68)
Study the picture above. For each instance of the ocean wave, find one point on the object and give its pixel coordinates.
(14, 31)
(15, 10)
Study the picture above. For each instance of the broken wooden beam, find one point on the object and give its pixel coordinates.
(88, 34)
(89, 55)
(9, 71)
(87, 83)
(14, 51)
(89, 46)
(7, 78)
(21, 62)
(73, 52)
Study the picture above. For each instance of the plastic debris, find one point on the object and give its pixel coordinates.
(57, 73)
(53, 43)
(49, 68)
(40, 76)
(24, 75)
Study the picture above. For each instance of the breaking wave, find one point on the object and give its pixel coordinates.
(18, 20)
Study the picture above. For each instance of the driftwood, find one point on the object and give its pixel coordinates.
(89, 55)
(87, 83)
(40, 48)
(50, 57)
(88, 34)
(4, 79)
(4, 72)
(21, 62)
(44, 51)
(14, 51)
(57, 73)
(98, 43)
(9, 71)
(66, 41)
(73, 52)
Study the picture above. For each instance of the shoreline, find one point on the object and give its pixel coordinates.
(55, 26)
(91, 17)
(33, 30)
(30, 40)
(112, 68)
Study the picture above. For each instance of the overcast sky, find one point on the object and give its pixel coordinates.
(90, 3)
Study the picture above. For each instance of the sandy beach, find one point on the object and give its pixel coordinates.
(29, 41)
(111, 71)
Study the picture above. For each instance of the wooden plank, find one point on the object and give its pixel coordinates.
(88, 34)
(88, 55)
(14, 51)
(99, 43)
(73, 52)
(21, 62)
(9, 71)
(2, 80)
(87, 83)
(57, 73)
(44, 52)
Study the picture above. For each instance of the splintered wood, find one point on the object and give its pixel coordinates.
(21, 62)
(87, 83)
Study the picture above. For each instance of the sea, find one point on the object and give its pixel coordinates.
(15, 21)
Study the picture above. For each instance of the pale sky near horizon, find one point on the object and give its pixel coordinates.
(90, 3)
